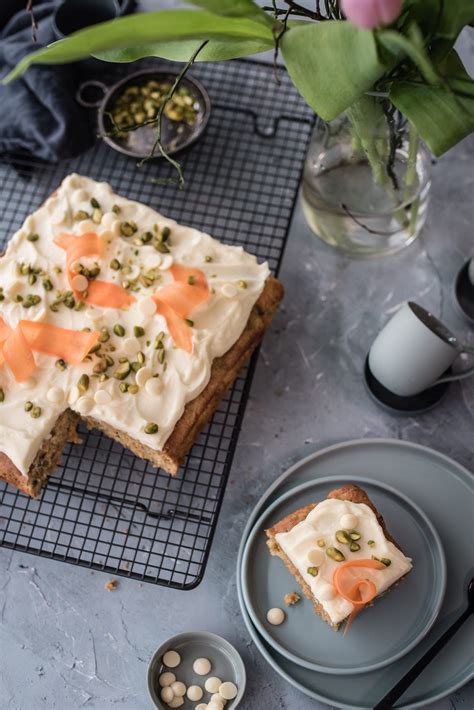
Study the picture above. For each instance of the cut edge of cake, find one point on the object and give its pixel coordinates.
(196, 414)
(350, 492)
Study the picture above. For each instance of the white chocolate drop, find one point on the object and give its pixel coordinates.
(131, 346)
(102, 397)
(326, 591)
(153, 386)
(55, 395)
(213, 684)
(166, 679)
(178, 688)
(28, 384)
(316, 557)
(194, 693)
(167, 694)
(172, 659)
(228, 690)
(143, 375)
(147, 306)
(84, 405)
(217, 698)
(202, 666)
(79, 283)
(229, 290)
(348, 521)
(166, 262)
(276, 616)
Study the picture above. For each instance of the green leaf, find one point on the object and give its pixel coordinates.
(230, 8)
(180, 51)
(455, 15)
(395, 42)
(442, 115)
(145, 29)
(331, 64)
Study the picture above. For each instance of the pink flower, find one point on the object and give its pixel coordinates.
(371, 13)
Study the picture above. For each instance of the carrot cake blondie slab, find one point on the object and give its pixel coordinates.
(112, 313)
(340, 552)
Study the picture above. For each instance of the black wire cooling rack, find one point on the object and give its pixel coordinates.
(104, 508)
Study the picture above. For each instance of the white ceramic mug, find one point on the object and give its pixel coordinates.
(413, 350)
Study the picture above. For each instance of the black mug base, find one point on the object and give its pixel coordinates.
(416, 404)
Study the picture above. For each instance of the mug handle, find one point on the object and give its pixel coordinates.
(87, 85)
(458, 375)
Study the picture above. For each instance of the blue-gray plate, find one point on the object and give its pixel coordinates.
(382, 634)
(444, 490)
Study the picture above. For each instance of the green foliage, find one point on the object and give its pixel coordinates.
(179, 51)
(232, 8)
(160, 26)
(331, 64)
(444, 114)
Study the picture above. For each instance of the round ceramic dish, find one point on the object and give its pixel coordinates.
(385, 632)
(444, 490)
(225, 660)
(176, 136)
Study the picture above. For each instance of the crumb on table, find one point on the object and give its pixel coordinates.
(111, 585)
(291, 598)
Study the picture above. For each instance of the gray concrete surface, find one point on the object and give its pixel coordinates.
(65, 643)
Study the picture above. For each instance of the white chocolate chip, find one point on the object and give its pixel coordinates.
(166, 679)
(131, 346)
(107, 236)
(79, 283)
(108, 219)
(348, 521)
(316, 557)
(167, 694)
(176, 702)
(202, 666)
(30, 223)
(215, 705)
(102, 397)
(201, 706)
(194, 693)
(228, 690)
(325, 592)
(80, 195)
(143, 375)
(166, 262)
(229, 290)
(87, 226)
(28, 384)
(213, 684)
(74, 395)
(276, 616)
(115, 227)
(84, 405)
(178, 688)
(147, 306)
(153, 386)
(217, 698)
(55, 395)
(172, 659)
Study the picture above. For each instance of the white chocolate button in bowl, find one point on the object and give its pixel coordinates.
(227, 671)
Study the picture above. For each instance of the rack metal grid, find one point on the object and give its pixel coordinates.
(104, 508)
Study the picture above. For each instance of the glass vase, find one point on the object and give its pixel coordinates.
(366, 180)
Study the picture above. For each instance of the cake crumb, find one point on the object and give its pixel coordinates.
(111, 585)
(291, 598)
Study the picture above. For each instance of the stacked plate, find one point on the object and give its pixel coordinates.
(427, 502)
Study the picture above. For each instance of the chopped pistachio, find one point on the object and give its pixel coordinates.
(122, 371)
(119, 330)
(161, 356)
(354, 535)
(141, 358)
(32, 237)
(83, 383)
(335, 554)
(18, 298)
(47, 285)
(242, 284)
(371, 543)
(313, 571)
(138, 331)
(115, 264)
(165, 233)
(343, 536)
(321, 542)
(133, 389)
(2, 395)
(191, 280)
(136, 365)
(36, 412)
(146, 237)
(60, 364)
(208, 259)
(31, 279)
(80, 215)
(354, 547)
(128, 228)
(115, 209)
(123, 386)
(384, 560)
(162, 248)
(189, 322)
(151, 428)
(28, 406)
(95, 348)
(94, 203)
(104, 335)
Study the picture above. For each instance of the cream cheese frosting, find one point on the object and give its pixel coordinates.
(306, 546)
(235, 280)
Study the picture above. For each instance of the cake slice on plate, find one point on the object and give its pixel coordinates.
(340, 552)
(114, 313)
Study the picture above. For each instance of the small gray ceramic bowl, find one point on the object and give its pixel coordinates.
(226, 664)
